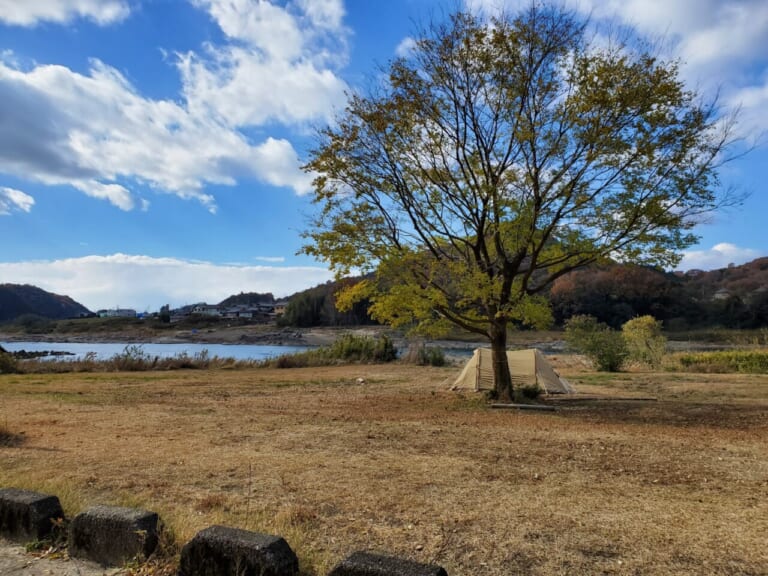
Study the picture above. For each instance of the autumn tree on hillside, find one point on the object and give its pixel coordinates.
(499, 155)
(613, 294)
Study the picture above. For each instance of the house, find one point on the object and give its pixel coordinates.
(722, 294)
(279, 307)
(117, 313)
(206, 310)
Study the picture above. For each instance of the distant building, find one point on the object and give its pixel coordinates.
(117, 313)
(206, 310)
(722, 294)
(279, 308)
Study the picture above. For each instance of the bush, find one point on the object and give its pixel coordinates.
(598, 342)
(132, 358)
(644, 341)
(432, 357)
(423, 355)
(354, 348)
(8, 364)
(348, 348)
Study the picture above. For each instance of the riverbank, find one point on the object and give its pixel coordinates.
(259, 334)
(256, 334)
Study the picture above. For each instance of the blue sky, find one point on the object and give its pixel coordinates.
(150, 150)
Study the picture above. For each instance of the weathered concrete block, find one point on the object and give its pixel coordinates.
(223, 551)
(26, 516)
(112, 536)
(368, 564)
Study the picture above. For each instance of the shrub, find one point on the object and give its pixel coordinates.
(354, 348)
(422, 355)
(8, 364)
(348, 348)
(598, 342)
(644, 340)
(132, 358)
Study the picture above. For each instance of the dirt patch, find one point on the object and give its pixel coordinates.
(15, 561)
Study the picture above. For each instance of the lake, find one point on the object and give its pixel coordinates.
(105, 350)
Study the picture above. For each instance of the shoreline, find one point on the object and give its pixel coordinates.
(257, 335)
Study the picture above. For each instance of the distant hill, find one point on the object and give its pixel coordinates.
(248, 299)
(742, 281)
(731, 297)
(19, 299)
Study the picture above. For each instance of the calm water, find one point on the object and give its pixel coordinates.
(104, 350)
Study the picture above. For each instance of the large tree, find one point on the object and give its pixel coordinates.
(500, 154)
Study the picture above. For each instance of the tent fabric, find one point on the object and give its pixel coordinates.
(526, 367)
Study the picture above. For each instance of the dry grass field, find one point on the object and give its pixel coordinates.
(402, 465)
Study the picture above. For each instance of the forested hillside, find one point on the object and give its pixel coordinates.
(20, 299)
(248, 299)
(317, 307)
(732, 297)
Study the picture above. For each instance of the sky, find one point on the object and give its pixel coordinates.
(151, 150)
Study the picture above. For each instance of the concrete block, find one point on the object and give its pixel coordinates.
(368, 564)
(26, 516)
(112, 536)
(223, 551)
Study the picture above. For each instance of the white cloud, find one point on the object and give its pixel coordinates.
(405, 47)
(96, 132)
(324, 13)
(279, 67)
(143, 282)
(30, 12)
(265, 26)
(719, 256)
(12, 200)
(752, 101)
(118, 195)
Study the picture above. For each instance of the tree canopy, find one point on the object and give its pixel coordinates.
(499, 155)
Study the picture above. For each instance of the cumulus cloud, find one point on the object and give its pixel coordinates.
(31, 12)
(12, 200)
(280, 65)
(144, 282)
(719, 256)
(752, 102)
(96, 132)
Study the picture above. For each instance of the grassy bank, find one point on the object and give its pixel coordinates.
(404, 466)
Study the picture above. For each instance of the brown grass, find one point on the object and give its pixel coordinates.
(401, 465)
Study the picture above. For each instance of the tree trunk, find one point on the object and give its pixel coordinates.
(501, 377)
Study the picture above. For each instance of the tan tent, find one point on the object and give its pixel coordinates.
(525, 366)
